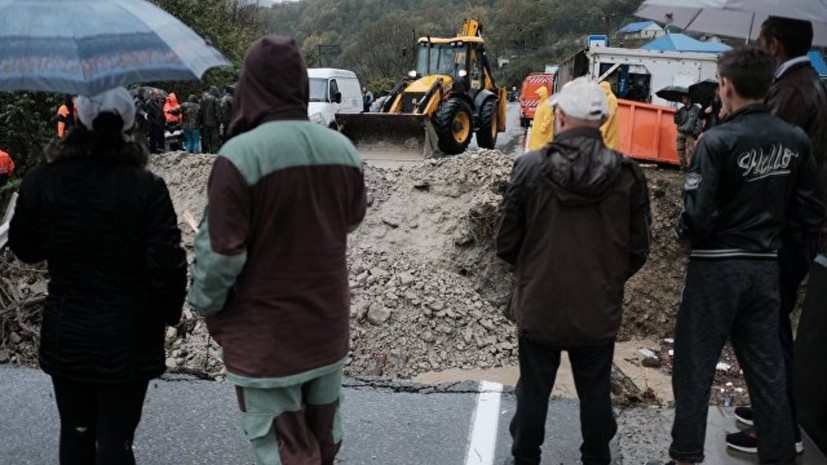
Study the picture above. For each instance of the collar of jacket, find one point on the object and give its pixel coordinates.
(792, 64)
(591, 133)
(748, 109)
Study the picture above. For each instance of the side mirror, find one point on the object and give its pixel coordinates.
(337, 97)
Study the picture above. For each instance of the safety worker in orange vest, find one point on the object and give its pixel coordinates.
(172, 111)
(67, 116)
(6, 167)
(542, 129)
(611, 129)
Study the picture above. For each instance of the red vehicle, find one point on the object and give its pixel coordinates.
(528, 95)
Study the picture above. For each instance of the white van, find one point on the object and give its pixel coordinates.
(333, 91)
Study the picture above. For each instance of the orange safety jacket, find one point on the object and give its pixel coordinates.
(6, 164)
(172, 110)
(65, 120)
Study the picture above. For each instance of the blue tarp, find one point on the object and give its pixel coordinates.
(818, 62)
(635, 27)
(684, 43)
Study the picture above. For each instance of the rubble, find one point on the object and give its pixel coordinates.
(428, 292)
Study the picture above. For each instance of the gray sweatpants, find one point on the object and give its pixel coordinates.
(736, 299)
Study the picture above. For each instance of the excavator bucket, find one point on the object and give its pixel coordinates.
(390, 136)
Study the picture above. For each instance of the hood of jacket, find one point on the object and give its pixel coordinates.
(172, 100)
(580, 168)
(542, 94)
(273, 85)
(607, 88)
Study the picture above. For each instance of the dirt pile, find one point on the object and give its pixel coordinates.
(428, 293)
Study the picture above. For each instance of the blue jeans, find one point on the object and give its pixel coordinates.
(192, 140)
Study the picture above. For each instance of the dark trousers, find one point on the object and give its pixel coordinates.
(4, 178)
(735, 299)
(210, 139)
(98, 421)
(592, 368)
(795, 259)
(156, 138)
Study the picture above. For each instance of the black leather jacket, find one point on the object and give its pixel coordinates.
(751, 177)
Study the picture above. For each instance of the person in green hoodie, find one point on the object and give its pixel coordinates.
(270, 272)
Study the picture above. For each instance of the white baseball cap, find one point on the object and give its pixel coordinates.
(117, 101)
(583, 99)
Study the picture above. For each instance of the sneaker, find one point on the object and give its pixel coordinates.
(745, 441)
(744, 415)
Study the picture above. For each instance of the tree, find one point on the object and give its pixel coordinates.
(385, 49)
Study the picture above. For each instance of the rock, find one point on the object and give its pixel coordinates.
(647, 353)
(378, 316)
(15, 338)
(428, 337)
(378, 272)
(391, 221)
(650, 362)
(171, 363)
(4, 356)
(405, 279)
(435, 306)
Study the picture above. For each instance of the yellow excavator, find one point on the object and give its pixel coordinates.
(449, 96)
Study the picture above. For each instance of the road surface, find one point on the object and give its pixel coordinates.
(188, 422)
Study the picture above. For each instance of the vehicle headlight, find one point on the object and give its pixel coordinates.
(463, 73)
(412, 73)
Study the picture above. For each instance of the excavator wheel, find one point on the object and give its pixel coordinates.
(487, 133)
(453, 125)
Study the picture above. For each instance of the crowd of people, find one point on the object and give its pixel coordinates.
(159, 116)
(270, 272)
(574, 225)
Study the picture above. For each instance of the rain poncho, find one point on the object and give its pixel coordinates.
(542, 130)
(610, 129)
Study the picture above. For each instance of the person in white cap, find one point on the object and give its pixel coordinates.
(107, 229)
(574, 223)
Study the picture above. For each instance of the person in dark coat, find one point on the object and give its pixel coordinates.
(798, 97)
(751, 180)
(157, 122)
(108, 232)
(270, 272)
(574, 223)
(141, 129)
(211, 120)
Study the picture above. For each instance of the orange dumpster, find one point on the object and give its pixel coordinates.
(647, 132)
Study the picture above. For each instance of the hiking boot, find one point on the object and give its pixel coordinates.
(744, 415)
(659, 462)
(745, 441)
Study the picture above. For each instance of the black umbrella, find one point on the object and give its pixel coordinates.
(673, 93)
(703, 92)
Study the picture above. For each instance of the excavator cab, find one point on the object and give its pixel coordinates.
(448, 97)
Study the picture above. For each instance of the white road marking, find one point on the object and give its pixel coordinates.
(482, 440)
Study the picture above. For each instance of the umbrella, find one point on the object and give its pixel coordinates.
(735, 18)
(703, 92)
(672, 93)
(88, 46)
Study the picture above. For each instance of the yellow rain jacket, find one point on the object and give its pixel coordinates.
(542, 130)
(610, 129)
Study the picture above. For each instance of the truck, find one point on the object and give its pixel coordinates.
(528, 95)
(647, 131)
